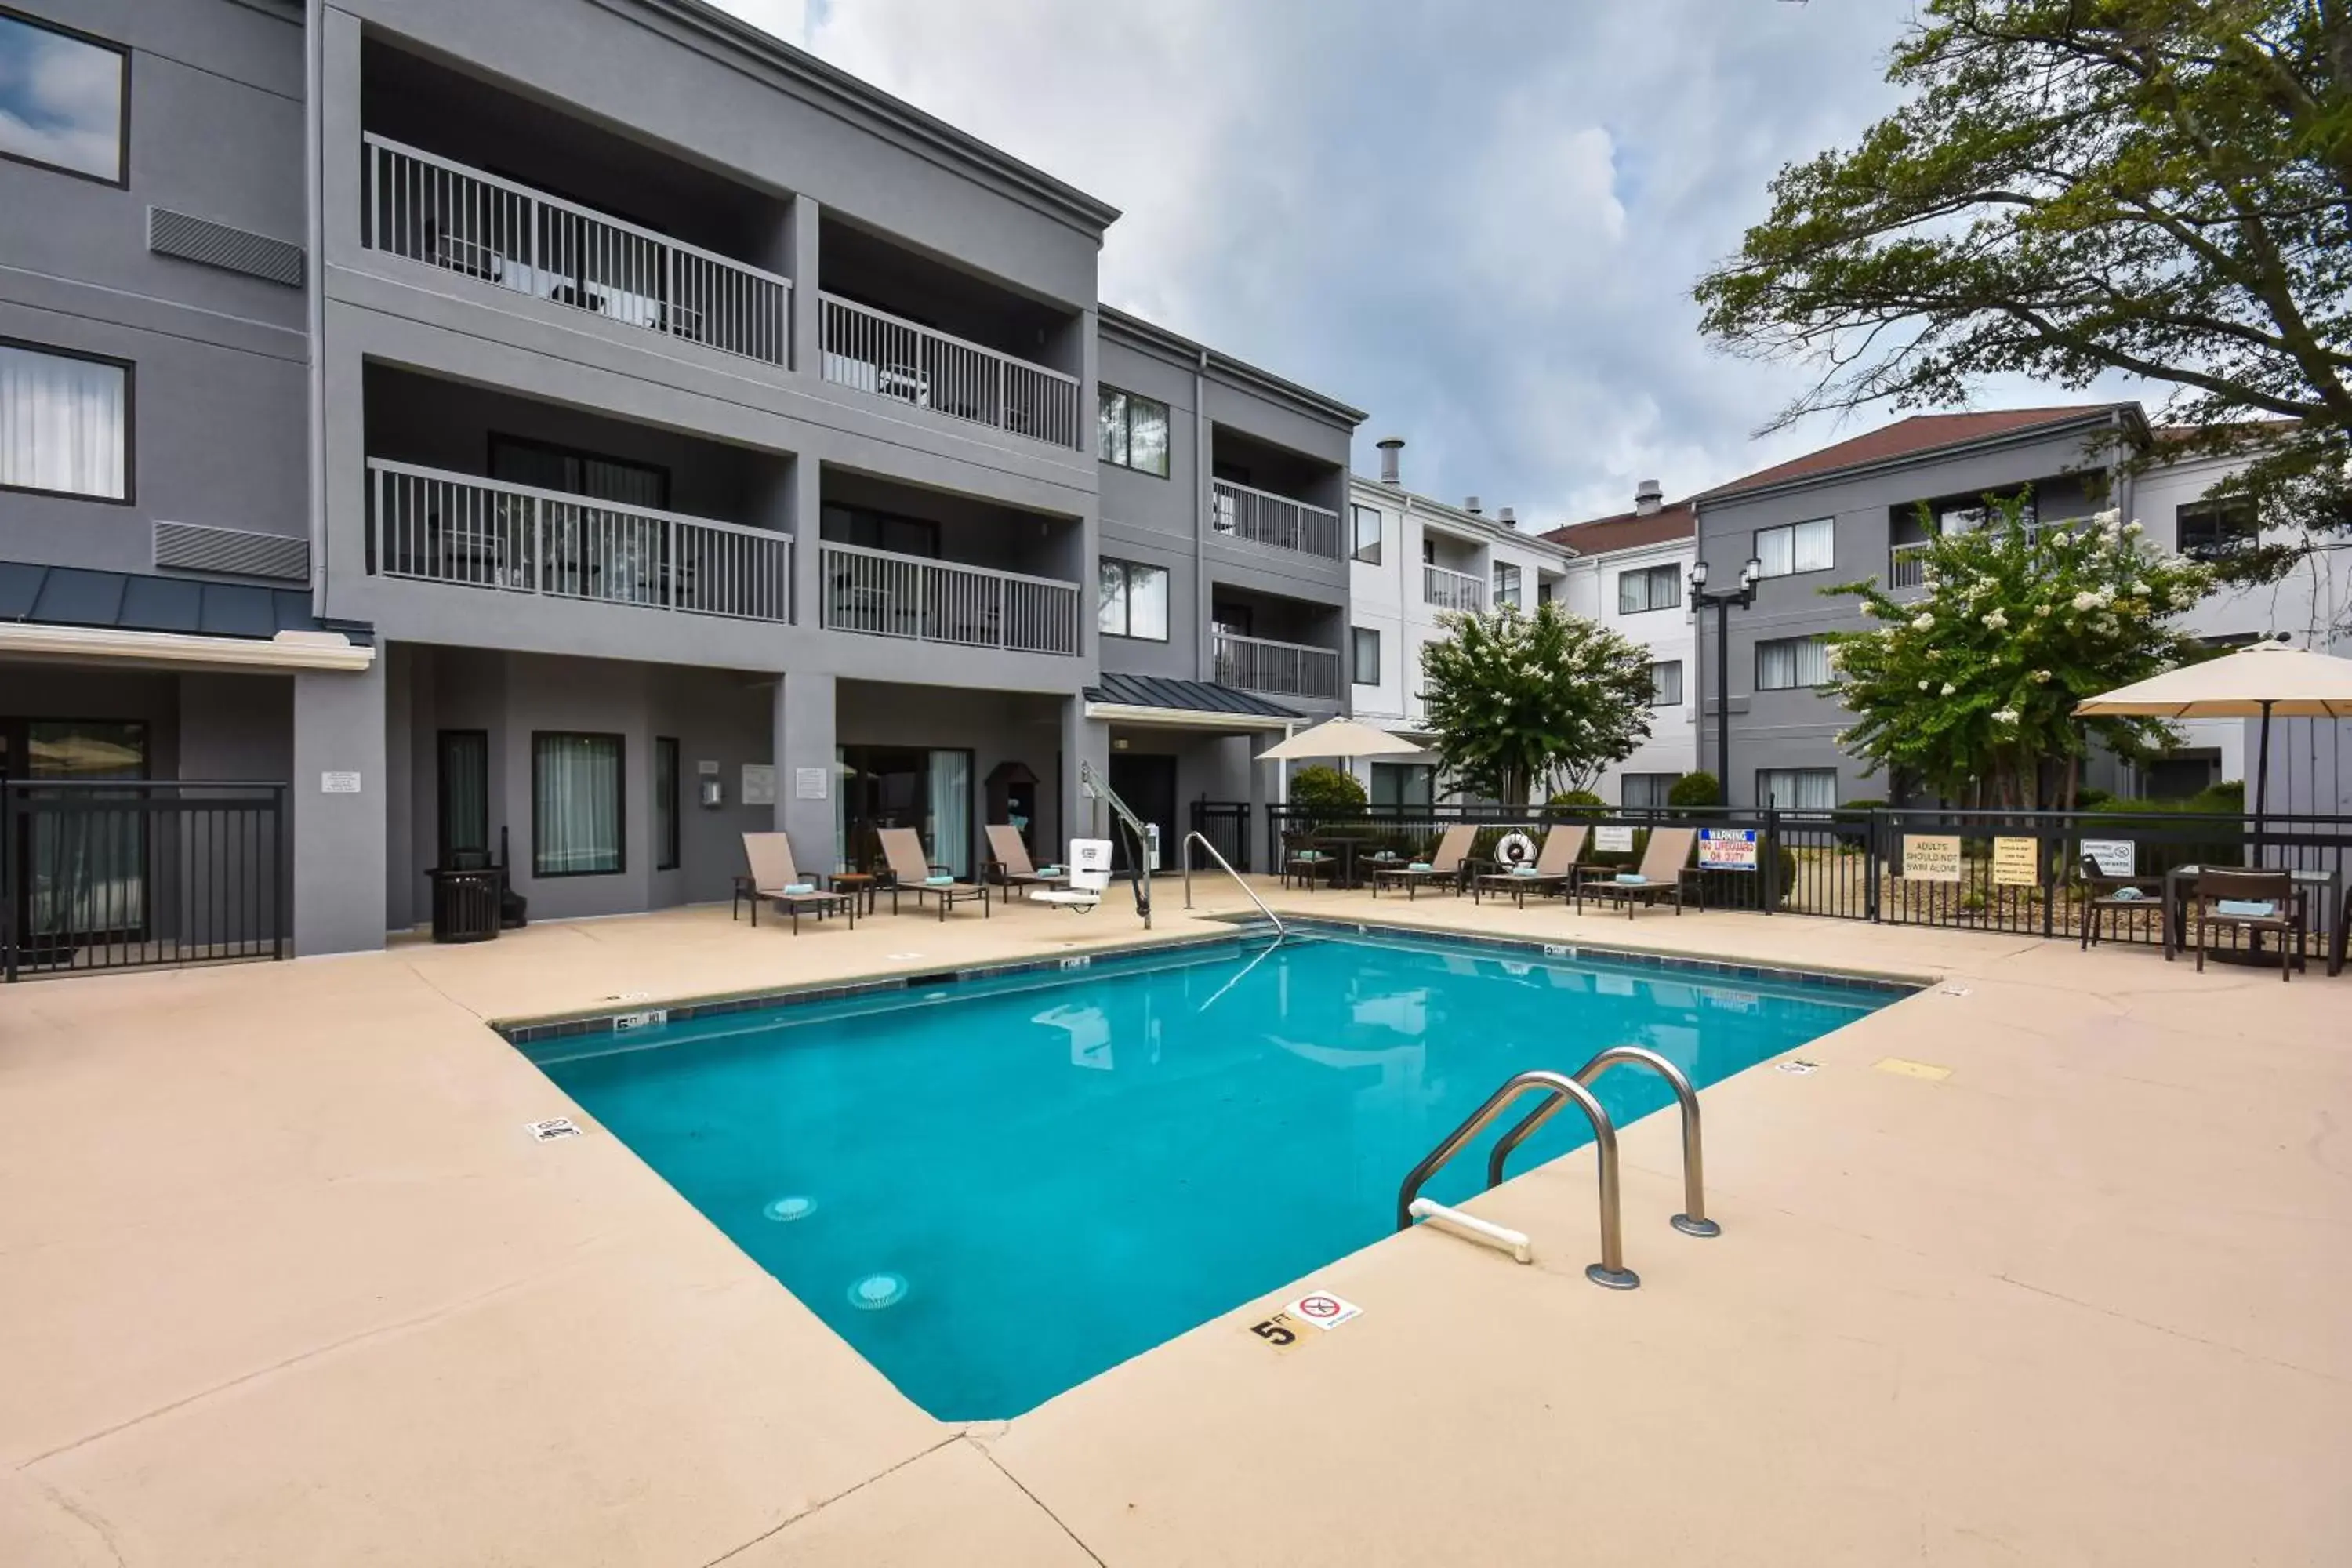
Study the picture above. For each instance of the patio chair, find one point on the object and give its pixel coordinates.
(2123, 894)
(911, 872)
(1009, 863)
(1450, 864)
(1666, 867)
(1302, 859)
(1555, 866)
(2251, 901)
(774, 879)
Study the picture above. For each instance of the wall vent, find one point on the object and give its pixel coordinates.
(238, 551)
(214, 244)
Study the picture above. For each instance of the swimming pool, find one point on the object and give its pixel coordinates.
(995, 1189)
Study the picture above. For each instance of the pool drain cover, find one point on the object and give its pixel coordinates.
(792, 1208)
(876, 1292)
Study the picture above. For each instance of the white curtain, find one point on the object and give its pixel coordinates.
(950, 844)
(63, 424)
(1790, 662)
(1799, 789)
(576, 805)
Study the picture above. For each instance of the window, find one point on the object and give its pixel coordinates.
(665, 823)
(2214, 531)
(464, 794)
(1543, 593)
(65, 102)
(1784, 663)
(1368, 534)
(1411, 785)
(1506, 584)
(575, 804)
(65, 421)
(1131, 431)
(1667, 683)
(1646, 789)
(1428, 550)
(871, 530)
(1797, 547)
(544, 466)
(1134, 600)
(1797, 789)
(1649, 588)
(1366, 643)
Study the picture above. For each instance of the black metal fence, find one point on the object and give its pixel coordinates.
(1226, 824)
(2016, 871)
(130, 874)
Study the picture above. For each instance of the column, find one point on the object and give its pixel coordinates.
(1087, 740)
(805, 739)
(806, 504)
(801, 251)
(338, 796)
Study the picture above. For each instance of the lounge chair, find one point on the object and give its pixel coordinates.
(1665, 865)
(2254, 901)
(1450, 864)
(911, 872)
(775, 879)
(1555, 866)
(1009, 863)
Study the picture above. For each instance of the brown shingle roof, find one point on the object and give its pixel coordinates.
(1626, 531)
(1910, 437)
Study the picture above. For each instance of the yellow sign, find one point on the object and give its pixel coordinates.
(1905, 1068)
(1931, 857)
(2017, 862)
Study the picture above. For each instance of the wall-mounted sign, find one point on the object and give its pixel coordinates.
(2112, 856)
(1931, 857)
(2017, 862)
(339, 783)
(1613, 840)
(759, 784)
(1727, 849)
(809, 784)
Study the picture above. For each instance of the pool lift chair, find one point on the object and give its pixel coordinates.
(1090, 857)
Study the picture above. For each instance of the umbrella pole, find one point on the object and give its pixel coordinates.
(2263, 783)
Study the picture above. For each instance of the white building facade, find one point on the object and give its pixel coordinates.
(1631, 573)
(1412, 560)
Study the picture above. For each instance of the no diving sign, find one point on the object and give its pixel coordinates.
(1317, 1309)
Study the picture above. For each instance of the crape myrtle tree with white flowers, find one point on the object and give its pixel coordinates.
(1972, 688)
(1518, 698)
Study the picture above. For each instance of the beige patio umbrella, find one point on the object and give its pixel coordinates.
(1339, 738)
(2256, 681)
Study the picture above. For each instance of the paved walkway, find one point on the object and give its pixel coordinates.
(282, 1281)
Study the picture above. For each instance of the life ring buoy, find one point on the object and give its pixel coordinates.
(1516, 849)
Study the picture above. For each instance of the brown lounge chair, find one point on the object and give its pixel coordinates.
(2266, 902)
(773, 878)
(1449, 865)
(1665, 864)
(1009, 862)
(910, 872)
(1555, 866)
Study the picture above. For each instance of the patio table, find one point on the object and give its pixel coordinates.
(2324, 889)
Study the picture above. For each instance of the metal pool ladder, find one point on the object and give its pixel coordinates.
(1196, 836)
(1562, 1090)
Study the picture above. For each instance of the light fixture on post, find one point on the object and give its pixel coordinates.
(1721, 601)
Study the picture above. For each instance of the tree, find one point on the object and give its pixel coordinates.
(2162, 187)
(1518, 699)
(1327, 793)
(1972, 688)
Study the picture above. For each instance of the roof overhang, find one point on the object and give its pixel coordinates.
(1188, 718)
(288, 651)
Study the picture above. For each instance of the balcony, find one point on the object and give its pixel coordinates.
(438, 526)
(1277, 522)
(889, 356)
(1450, 590)
(443, 214)
(881, 594)
(1906, 563)
(1277, 668)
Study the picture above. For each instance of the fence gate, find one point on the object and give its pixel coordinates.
(1226, 824)
(136, 874)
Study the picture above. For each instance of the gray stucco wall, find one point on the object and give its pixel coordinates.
(218, 387)
(1799, 729)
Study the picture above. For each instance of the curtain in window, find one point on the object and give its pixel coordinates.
(576, 809)
(844, 780)
(1646, 789)
(1111, 607)
(63, 424)
(1816, 544)
(465, 797)
(951, 838)
(1147, 601)
(1148, 435)
(1797, 789)
(1792, 661)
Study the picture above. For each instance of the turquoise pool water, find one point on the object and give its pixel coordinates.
(996, 1189)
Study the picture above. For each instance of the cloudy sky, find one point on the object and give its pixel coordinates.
(1479, 220)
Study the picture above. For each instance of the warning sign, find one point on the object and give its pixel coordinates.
(2017, 862)
(1931, 857)
(1323, 1309)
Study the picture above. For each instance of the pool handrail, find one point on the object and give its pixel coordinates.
(1611, 1272)
(1693, 1220)
(1197, 836)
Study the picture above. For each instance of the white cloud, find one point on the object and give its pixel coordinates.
(1478, 221)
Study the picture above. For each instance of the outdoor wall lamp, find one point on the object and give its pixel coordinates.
(1721, 601)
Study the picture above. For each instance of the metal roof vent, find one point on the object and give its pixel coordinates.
(1390, 447)
(1470, 505)
(1648, 497)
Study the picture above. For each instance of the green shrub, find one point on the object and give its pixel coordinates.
(1327, 792)
(2087, 797)
(1866, 803)
(1695, 789)
(1577, 804)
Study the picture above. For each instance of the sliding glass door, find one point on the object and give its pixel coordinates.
(926, 789)
(84, 876)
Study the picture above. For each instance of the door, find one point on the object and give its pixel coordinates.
(81, 874)
(1148, 784)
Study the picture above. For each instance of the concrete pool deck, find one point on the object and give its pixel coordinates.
(283, 1280)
